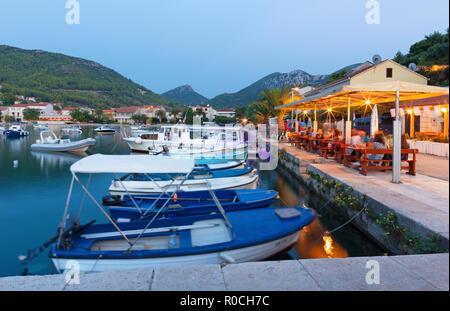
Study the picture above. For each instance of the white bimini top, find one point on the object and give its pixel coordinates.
(105, 164)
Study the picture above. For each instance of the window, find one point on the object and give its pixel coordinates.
(388, 72)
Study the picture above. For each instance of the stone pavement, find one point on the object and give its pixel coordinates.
(400, 273)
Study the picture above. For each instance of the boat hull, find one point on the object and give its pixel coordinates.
(203, 239)
(13, 134)
(146, 187)
(78, 146)
(251, 253)
(192, 203)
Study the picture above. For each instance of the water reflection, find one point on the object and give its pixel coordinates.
(33, 197)
(315, 243)
(314, 240)
(56, 160)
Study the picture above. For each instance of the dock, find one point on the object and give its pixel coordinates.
(402, 273)
(419, 205)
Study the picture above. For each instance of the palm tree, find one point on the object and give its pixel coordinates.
(175, 112)
(160, 114)
(269, 99)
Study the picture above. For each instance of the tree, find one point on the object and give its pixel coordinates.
(222, 120)
(7, 99)
(160, 114)
(264, 109)
(175, 112)
(139, 118)
(337, 75)
(81, 115)
(9, 118)
(188, 116)
(31, 114)
(241, 112)
(199, 112)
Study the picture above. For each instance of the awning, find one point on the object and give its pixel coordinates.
(359, 94)
(104, 164)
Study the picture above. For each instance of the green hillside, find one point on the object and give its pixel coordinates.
(69, 80)
(433, 50)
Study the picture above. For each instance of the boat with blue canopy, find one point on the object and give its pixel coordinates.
(212, 238)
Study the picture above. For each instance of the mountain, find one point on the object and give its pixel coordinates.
(274, 80)
(185, 95)
(53, 77)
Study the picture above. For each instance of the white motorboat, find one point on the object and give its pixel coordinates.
(199, 183)
(189, 139)
(41, 127)
(49, 142)
(74, 129)
(102, 130)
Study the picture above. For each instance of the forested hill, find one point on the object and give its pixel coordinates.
(69, 80)
(429, 52)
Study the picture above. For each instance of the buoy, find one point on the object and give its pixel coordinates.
(175, 197)
(16, 163)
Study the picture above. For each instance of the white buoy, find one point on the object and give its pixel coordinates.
(16, 163)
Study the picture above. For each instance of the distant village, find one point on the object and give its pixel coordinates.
(53, 112)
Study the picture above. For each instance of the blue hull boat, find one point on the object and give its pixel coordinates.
(14, 134)
(248, 235)
(187, 203)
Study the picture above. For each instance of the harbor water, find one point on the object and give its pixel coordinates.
(34, 187)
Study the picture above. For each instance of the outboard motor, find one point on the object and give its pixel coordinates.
(111, 200)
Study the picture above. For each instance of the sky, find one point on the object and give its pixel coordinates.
(220, 46)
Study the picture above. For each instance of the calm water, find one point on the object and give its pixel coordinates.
(32, 198)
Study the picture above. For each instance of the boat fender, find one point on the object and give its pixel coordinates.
(110, 200)
(138, 140)
(175, 197)
(227, 258)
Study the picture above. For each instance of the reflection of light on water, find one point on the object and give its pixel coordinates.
(312, 243)
(328, 245)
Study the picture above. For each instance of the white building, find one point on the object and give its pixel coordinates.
(16, 110)
(226, 112)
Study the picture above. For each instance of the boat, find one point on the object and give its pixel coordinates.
(240, 236)
(142, 131)
(181, 139)
(2, 129)
(212, 238)
(41, 127)
(49, 142)
(16, 131)
(74, 129)
(105, 130)
(218, 166)
(133, 207)
(119, 187)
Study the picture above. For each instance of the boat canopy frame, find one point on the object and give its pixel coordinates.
(144, 164)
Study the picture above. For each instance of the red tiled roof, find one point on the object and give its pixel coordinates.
(226, 110)
(126, 109)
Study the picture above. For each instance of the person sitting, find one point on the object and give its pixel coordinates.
(337, 135)
(404, 145)
(379, 142)
(328, 134)
(355, 138)
(319, 134)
